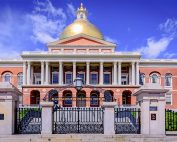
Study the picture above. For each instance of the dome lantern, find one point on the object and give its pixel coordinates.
(82, 13)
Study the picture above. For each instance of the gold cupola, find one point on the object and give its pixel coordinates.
(81, 26)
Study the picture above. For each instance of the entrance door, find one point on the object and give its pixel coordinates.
(81, 99)
(126, 98)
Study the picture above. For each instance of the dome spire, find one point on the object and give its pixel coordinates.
(82, 12)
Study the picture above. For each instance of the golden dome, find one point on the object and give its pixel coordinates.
(81, 26)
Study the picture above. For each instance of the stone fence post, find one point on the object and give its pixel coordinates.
(151, 98)
(9, 100)
(109, 117)
(47, 108)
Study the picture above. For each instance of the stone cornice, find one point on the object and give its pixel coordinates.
(80, 55)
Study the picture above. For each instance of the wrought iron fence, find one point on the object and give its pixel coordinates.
(170, 120)
(77, 120)
(28, 120)
(127, 120)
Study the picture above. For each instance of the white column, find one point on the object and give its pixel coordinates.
(101, 73)
(24, 73)
(46, 121)
(32, 72)
(60, 73)
(88, 73)
(115, 73)
(47, 72)
(119, 73)
(28, 72)
(137, 73)
(133, 73)
(74, 71)
(42, 72)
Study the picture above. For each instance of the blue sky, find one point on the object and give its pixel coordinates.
(146, 26)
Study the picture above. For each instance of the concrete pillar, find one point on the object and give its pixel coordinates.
(28, 72)
(47, 73)
(47, 108)
(101, 74)
(24, 73)
(42, 72)
(137, 73)
(151, 98)
(115, 73)
(74, 71)
(60, 73)
(133, 73)
(119, 73)
(9, 100)
(88, 73)
(109, 117)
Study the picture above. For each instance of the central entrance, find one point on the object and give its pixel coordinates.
(81, 99)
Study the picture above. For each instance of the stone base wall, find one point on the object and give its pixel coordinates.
(88, 138)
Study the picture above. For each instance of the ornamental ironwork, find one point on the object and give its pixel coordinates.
(78, 120)
(28, 120)
(170, 120)
(127, 120)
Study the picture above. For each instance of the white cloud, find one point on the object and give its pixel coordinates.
(155, 47)
(107, 38)
(170, 55)
(71, 10)
(169, 27)
(29, 31)
(47, 20)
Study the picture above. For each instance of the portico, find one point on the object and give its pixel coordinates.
(96, 73)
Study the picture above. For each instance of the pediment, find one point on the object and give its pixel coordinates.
(81, 40)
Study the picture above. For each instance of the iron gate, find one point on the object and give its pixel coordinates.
(170, 120)
(28, 120)
(77, 120)
(127, 121)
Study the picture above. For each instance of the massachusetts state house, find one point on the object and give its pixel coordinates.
(81, 51)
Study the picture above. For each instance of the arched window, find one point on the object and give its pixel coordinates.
(35, 97)
(155, 78)
(168, 79)
(108, 96)
(142, 78)
(20, 79)
(94, 99)
(7, 77)
(67, 99)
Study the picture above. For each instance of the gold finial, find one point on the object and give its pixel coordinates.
(81, 6)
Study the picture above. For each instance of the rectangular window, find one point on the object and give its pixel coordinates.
(124, 79)
(82, 75)
(55, 78)
(20, 80)
(168, 99)
(94, 78)
(107, 78)
(37, 78)
(68, 78)
(168, 81)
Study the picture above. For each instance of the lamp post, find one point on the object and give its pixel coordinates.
(78, 84)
